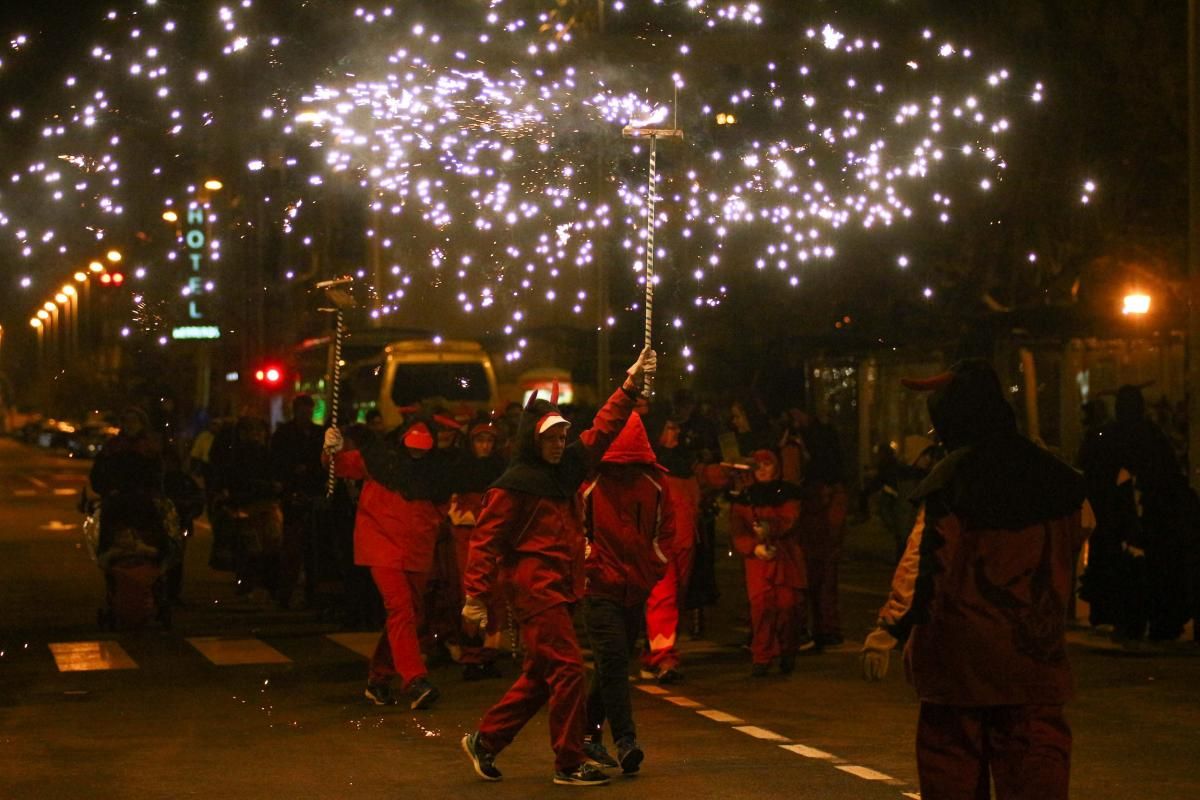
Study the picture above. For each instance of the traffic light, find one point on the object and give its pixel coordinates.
(269, 376)
(112, 278)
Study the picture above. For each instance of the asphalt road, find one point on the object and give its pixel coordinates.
(174, 723)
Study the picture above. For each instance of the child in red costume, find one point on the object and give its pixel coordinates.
(764, 519)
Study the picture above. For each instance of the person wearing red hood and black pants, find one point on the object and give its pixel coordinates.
(981, 593)
(530, 523)
(395, 531)
(630, 523)
(764, 526)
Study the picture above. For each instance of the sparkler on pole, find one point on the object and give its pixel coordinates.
(649, 129)
(336, 293)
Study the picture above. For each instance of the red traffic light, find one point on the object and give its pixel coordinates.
(270, 375)
(112, 278)
(118, 278)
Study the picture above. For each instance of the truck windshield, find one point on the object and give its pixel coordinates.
(454, 381)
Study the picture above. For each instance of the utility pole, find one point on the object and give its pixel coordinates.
(1193, 349)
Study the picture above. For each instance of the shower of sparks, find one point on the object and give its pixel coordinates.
(486, 150)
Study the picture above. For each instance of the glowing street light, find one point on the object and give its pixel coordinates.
(213, 185)
(114, 256)
(96, 266)
(36, 323)
(170, 216)
(1136, 304)
(80, 276)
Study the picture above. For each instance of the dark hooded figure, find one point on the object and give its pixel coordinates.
(982, 592)
(1148, 515)
(128, 476)
(530, 523)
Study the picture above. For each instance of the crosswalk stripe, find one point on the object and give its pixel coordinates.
(361, 643)
(650, 688)
(808, 752)
(90, 656)
(865, 773)
(683, 702)
(229, 652)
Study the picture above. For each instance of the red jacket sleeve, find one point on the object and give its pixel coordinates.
(609, 421)
(490, 541)
(349, 464)
(741, 524)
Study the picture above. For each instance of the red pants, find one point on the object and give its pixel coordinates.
(821, 533)
(776, 616)
(553, 671)
(1026, 750)
(398, 650)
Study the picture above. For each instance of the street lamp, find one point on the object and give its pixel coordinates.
(213, 185)
(1136, 304)
(96, 267)
(72, 315)
(113, 256)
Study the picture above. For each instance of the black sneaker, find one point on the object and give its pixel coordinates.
(668, 676)
(630, 755)
(583, 775)
(482, 760)
(424, 694)
(380, 694)
(787, 664)
(805, 643)
(598, 755)
(759, 670)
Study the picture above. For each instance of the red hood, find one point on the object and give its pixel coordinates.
(632, 445)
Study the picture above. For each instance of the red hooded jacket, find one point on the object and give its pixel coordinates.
(389, 529)
(537, 533)
(629, 519)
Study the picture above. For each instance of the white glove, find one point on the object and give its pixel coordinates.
(764, 552)
(474, 614)
(646, 364)
(876, 651)
(333, 440)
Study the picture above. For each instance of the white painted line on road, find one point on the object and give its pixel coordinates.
(56, 525)
(809, 752)
(683, 702)
(39, 483)
(913, 795)
(362, 643)
(721, 716)
(66, 492)
(863, 772)
(650, 688)
(227, 652)
(760, 733)
(90, 656)
(24, 492)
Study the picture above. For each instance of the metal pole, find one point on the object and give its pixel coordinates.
(1193, 350)
(334, 392)
(648, 338)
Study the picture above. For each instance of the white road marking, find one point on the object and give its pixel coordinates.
(863, 772)
(760, 733)
(227, 652)
(90, 656)
(362, 643)
(55, 525)
(650, 688)
(24, 492)
(39, 483)
(809, 752)
(913, 795)
(66, 492)
(721, 716)
(683, 702)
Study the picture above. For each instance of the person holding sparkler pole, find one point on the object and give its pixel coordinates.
(529, 522)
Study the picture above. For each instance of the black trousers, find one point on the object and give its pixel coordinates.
(612, 630)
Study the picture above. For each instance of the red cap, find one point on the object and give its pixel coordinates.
(418, 438)
(484, 429)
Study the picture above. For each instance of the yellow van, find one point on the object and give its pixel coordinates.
(457, 371)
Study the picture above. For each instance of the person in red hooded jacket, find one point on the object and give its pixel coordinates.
(473, 473)
(395, 531)
(764, 527)
(630, 523)
(530, 522)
